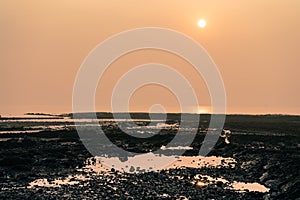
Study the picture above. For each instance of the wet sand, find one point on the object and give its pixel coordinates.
(261, 163)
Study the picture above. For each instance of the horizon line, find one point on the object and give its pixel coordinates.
(141, 112)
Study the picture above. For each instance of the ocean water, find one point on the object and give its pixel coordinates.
(25, 124)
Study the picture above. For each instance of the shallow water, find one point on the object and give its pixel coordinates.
(70, 180)
(95, 167)
(20, 124)
(204, 180)
(154, 162)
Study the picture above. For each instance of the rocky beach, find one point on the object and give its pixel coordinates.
(46, 159)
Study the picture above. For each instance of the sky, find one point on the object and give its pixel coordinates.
(255, 45)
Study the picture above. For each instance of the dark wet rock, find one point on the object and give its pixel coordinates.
(131, 169)
(273, 184)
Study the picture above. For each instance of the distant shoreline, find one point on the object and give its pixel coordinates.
(125, 114)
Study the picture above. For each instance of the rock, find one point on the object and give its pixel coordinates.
(132, 169)
(273, 184)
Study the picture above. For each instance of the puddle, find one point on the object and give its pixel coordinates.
(5, 139)
(17, 132)
(204, 180)
(200, 162)
(95, 166)
(176, 148)
(252, 187)
(152, 162)
(70, 180)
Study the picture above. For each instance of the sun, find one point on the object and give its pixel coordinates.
(201, 23)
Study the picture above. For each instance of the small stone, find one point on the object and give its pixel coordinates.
(131, 169)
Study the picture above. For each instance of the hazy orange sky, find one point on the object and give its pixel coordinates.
(255, 44)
